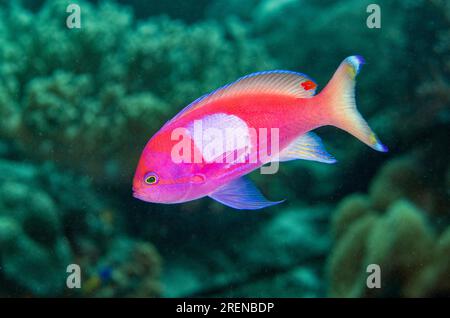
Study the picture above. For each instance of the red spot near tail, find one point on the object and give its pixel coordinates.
(307, 85)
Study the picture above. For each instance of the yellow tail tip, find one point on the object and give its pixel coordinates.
(355, 62)
(377, 145)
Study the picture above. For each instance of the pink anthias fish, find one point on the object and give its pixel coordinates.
(281, 100)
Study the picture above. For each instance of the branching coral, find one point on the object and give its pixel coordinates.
(34, 253)
(49, 220)
(90, 98)
(414, 259)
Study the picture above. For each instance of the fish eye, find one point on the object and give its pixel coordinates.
(151, 178)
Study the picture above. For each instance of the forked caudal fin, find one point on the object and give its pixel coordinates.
(339, 99)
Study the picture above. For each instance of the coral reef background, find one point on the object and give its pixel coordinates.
(78, 105)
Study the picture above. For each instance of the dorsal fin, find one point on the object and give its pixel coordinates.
(281, 82)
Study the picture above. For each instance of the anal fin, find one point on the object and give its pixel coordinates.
(307, 147)
(243, 195)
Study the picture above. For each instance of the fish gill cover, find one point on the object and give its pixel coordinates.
(78, 105)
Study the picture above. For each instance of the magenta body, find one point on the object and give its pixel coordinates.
(181, 182)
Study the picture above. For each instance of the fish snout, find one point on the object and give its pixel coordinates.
(147, 195)
(174, 194)
(139, 193)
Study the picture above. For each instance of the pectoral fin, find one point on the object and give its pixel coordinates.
(242, 194)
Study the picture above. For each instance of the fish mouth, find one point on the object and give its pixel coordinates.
(143, 196)
(138, 195)
(174, 197)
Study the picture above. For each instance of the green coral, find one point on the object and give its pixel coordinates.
(90, 98)
(390, 227)
(33, 249)
(401, 178)
(49, 220)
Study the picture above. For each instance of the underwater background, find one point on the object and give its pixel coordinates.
(78, 105)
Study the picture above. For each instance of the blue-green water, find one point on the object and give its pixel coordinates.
(79, 102)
